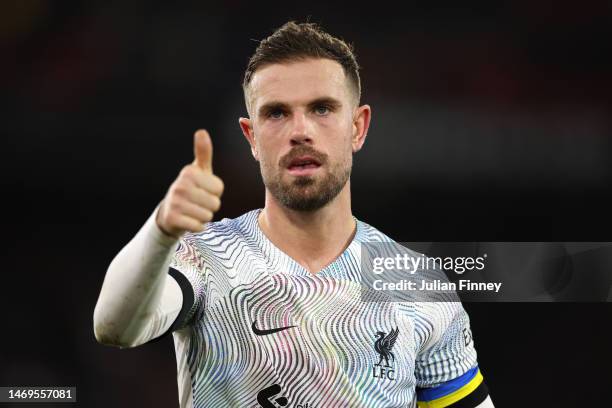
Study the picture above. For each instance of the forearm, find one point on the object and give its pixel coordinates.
(138, 296)
(486, 403)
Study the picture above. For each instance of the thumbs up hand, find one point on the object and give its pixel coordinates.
(195, 195)
(202, 151)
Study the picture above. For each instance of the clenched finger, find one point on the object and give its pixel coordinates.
(197, 212)
(209, 182)
(187, 223)
(204, 199)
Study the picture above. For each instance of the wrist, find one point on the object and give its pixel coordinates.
(160, 234)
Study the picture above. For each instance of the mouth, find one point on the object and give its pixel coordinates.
(303, 166)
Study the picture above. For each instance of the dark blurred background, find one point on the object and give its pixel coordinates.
(490, 122)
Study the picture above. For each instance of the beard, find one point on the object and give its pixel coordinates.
(306, 193)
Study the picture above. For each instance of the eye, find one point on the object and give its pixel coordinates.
(276, 114)
(322, 110)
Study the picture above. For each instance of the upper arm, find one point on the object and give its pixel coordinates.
(165, 315)
(184, 292)
(466, 391)
(446, 368)
(189, 268)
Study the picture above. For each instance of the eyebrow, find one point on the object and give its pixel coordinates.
(276, 105)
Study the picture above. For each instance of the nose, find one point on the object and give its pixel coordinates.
(300, 130)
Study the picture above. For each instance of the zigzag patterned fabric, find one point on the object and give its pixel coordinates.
(262, 331)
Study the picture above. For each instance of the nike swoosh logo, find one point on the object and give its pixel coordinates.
(260, 332)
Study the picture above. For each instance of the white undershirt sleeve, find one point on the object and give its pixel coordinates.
(139, 301)
(486, 403)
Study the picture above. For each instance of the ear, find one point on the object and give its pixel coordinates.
(246, 126)
(361, 124)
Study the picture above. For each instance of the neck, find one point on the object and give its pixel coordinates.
(312, 238)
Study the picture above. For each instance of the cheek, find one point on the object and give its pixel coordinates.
(265, 150)
(343, 150)
(349, 139)
(338, 132)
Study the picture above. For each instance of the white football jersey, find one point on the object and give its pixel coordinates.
(259, 330)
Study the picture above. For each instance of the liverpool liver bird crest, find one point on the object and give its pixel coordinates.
(384, 344)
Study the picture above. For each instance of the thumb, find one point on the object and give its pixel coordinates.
(202, 150)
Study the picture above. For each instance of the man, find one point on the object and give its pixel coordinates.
(265, 309)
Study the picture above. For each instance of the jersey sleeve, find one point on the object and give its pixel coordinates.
(446, 368)
(189, 268)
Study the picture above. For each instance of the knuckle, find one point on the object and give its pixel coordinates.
(188, 173)
(207, 215)
(171, 220)
(220, 186)
(175, 205)
(180, 189)
(216, 203)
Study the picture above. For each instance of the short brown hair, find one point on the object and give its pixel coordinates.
(297, 41)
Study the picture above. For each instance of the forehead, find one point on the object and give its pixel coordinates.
(298, 82)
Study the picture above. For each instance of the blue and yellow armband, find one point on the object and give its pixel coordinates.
(466, 391)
